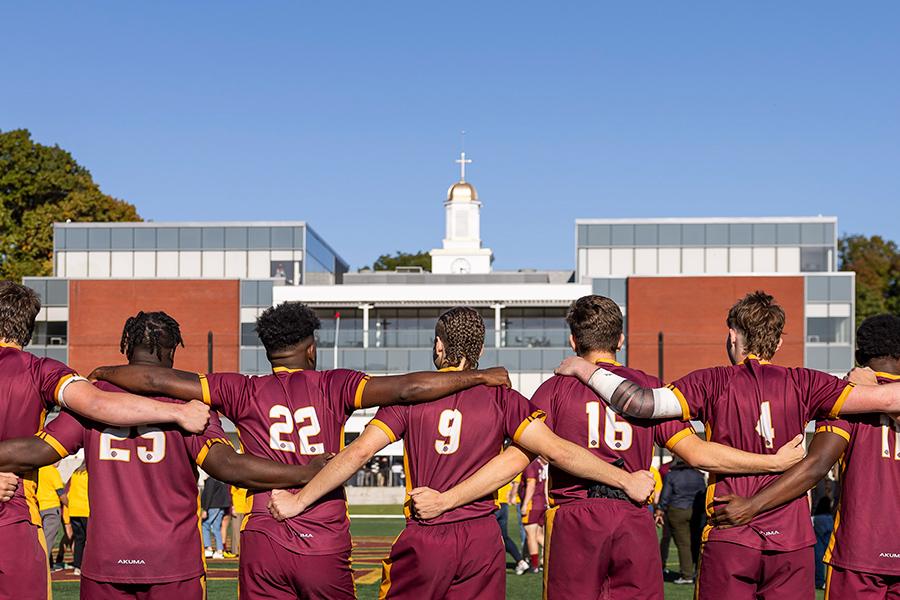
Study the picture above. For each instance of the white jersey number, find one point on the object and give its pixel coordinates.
(149, 453)
(449, 426)
(307, 424)
(889, 426)
(764, 426)
(617, 434)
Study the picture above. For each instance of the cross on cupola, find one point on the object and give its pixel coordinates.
(462, 161)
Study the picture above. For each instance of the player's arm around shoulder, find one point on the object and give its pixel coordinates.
(251, 472)
(718, 458)
(426, 386)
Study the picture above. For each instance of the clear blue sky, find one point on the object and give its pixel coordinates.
(347, 114)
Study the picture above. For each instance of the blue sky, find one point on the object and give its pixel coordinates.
(347, 115)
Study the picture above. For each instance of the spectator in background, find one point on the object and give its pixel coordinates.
(397, 474)
(515, 509)
(51, 495)
(677, 502)
(823, 525)
(240, 506)
(65, 542)
(79, 511)
(226, 526)
(215, 501)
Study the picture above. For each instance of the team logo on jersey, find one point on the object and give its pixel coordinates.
(131, 561)
(889, 555)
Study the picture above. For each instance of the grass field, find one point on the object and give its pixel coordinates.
(372, 539)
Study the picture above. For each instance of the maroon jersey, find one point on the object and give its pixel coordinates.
(758, 407)
(291, 417)
(535, 471)
(448, 440)
(29, 387)
(867, 530)
(144, 526)
(575, 413)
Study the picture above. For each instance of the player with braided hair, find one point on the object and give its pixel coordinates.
(150, 332)
(460, 554)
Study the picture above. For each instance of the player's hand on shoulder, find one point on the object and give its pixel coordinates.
(575, 366)
(193, 416)
(789, 454)
(284, 505)
(9, 483)
(98, 374)
(736, 510)
(862, 376)
(496, 377)
(428, 503)
(639, 486)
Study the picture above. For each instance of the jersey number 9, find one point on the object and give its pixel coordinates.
(449, 426)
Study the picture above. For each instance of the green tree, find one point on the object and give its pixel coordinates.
(389, 262)
(876, 262)
(40, 185)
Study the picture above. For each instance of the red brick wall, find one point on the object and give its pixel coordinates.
(98, 310)
(691, 312)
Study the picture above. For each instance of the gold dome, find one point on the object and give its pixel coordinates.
(462, 192)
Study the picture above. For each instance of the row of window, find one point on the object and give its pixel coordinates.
(53, 292)
(829, 289)
(707, 234)
(178, 238)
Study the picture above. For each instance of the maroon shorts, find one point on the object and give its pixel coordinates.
(844, 583)
(601, 548)
(267, 570)
(190, 589)
(453, 561)
(534, 515)
(24, 568)
(737, 572)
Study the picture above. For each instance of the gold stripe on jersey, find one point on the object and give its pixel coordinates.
(607, 361)
(285, 370)
(835, 430)
(407, 512)
(837, 516)
(839, 404)
(884, 375)
(204, 387)
(10, 345)
(357, 398)
(536, 415)
(59, 386)
(673, 441)
(685, 407)
(383, 426)
(53, 443)
(201, 456)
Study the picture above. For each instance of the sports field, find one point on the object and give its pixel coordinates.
(372, 538)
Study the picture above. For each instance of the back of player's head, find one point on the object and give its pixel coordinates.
(19, 307)
(155, 332)
(461, 331)
(595, 323)
(878, 337)
(759, 319)
(286, 325)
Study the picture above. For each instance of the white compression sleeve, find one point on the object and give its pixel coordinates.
(605, 383)
(665, 402)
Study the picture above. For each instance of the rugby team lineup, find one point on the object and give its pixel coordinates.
(585, 442)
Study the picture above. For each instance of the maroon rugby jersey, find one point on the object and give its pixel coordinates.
(867, 530)
(575, 413)
(448, 440)
(758, 407)
(535, 470)
(291, 417)
(29, 387)
(145, 522)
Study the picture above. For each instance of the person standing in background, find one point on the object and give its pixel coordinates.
(240, 506)
(79, 511)
(50, 496)
(681, 486)
(504, 499)
(823, 525)
(225, 528)
(214, 501)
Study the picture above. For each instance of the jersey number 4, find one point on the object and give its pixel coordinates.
(307, 423)
(150, 451)
(889, 426)
(616, 434)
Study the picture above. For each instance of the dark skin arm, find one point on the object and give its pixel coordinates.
(246, 471)
(379, 391)
(825, 450)
(21, 455)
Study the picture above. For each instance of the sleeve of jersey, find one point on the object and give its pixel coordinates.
(53, 377)
(543, 400)
(826, 394)
(836, 426)
(519, 413)
(391, 420)
(65, 434)
(226, 392)
(346, 385)
(199, 445)
(669, 433)
(692, 391)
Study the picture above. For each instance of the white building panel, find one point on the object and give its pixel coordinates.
(236, 264)
(57, 313)
(167, 264)
(764, 259)
(692, 261)
(258, 265)
(622, 262)
(740, 260)
(598, 262)
(839, 310)
(190, 264)
(76, 264)
(98, 264)
(716, 260)
(816, 310)
(669, 261)
(788, 260)
(213, 264)
(122, 264)
(645, 261)
(145, 264)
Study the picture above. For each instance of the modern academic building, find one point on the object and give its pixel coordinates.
(673, 278)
